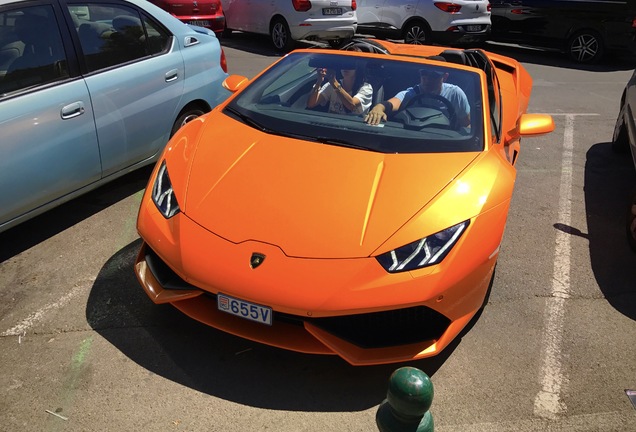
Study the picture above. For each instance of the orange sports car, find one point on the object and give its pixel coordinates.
(290, 217)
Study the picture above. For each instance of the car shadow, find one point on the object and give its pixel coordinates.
(28, 234)
(609, 181)
(166, 342)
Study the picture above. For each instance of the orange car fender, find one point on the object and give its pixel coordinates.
(486, 184)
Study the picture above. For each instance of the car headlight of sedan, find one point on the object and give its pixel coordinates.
(424, 252)
(162, 193)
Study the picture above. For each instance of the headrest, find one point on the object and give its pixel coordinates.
(126, 23)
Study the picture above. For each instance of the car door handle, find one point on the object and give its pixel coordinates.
(72, 110)
(190, 40)
(172, 75)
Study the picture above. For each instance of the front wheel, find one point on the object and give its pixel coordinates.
(416, 33)
(186, 117)
(585, 46)
(281, 36)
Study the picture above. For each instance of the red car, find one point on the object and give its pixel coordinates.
(203, 13)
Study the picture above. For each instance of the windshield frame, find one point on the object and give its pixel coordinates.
(273, 104)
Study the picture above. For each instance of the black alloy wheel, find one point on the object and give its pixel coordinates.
(416, 33)
(585, 46)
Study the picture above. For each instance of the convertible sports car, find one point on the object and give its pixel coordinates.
(320, 233)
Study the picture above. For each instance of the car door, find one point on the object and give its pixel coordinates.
(237, 14)
(48, 145)
(369, 11)
(396, 12)
(135, 74)
(259, 13)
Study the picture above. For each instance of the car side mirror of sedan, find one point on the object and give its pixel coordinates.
(535, 124)
(234, 82)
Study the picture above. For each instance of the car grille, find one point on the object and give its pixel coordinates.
(369, 330)
(388, 328)
(164, 274)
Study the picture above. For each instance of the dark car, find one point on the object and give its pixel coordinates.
(585, 30)
(624, 140)
(203, 13)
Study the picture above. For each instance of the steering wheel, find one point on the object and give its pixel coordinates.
(424, 109)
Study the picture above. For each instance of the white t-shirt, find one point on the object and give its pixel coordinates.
(364, 95)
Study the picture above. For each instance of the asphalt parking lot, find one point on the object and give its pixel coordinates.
(83, 349)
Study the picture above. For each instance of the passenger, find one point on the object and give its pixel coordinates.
(351, 95)
(431, 81)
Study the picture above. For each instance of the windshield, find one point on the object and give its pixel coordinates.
(446, 117)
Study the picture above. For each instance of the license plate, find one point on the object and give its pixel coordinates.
(473, 28)
(200, 23)
(243, 309)
(332, 11)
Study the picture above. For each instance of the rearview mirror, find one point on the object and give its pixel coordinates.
(234, 82)
(535, 124)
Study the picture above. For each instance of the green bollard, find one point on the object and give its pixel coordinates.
(407, 403)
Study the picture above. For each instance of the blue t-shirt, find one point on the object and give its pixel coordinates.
(453, 93)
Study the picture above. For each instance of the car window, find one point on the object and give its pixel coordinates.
(113, 34)
(30, 58)
(277, 103)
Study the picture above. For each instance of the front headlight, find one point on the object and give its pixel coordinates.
(425, 252)
(163, 195)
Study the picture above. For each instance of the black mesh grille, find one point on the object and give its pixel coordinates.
(388, 328)
(164, 274)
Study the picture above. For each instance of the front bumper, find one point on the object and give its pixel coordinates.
(351, 308)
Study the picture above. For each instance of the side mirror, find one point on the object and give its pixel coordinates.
(234, 82)
(535, 124)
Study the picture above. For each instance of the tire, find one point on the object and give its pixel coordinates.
(280, 35)
(631, 223)
(585, 46)
(185, 117)
(416, 33)
(620, 140)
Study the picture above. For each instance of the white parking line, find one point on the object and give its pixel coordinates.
(548, 403)
(36, 316)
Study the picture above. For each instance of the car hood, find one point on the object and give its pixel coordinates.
(312, 200)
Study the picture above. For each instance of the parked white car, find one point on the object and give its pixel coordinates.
(425, 21)
(287, 21)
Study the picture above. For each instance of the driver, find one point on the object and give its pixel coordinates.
(431, 81)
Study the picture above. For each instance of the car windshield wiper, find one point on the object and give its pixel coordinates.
(342, 143)
(249, 121)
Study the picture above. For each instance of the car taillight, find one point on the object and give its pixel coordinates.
(448, 7)
(354, 6)
(634, 23)
(489, 7)
(301, 5)
(223, 61)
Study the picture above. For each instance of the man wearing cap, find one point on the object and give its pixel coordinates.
(431, 81)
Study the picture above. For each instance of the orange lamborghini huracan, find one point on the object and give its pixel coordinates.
(308, 227)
